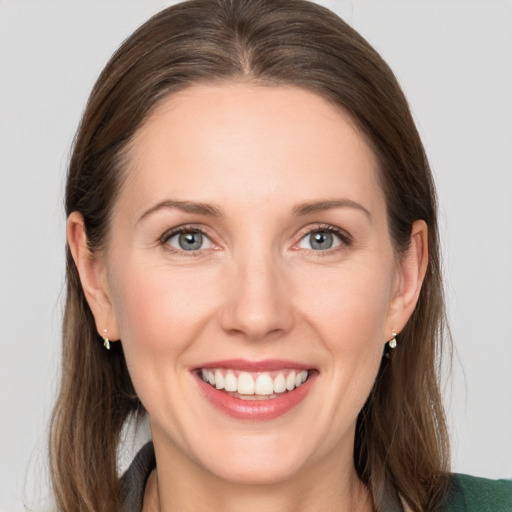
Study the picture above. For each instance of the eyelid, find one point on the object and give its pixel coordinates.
(344, 236)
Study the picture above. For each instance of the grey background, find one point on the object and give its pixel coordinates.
(454, 60)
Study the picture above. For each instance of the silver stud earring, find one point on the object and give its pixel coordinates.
(392, 341)
(106, 342)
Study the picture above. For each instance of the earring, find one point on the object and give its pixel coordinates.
(392, 341)
(106, 342)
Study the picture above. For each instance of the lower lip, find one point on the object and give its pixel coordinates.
(256, 410)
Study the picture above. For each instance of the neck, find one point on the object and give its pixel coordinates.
(189, 488)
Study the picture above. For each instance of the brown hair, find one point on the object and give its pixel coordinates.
(401, 438)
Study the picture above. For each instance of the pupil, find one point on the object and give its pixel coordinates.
(191, 241)
(321, 240)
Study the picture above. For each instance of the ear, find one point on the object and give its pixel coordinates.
(411, 272)
(93, 276)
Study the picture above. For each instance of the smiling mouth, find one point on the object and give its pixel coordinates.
(246, 385)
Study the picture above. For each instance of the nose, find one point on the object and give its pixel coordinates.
(259, 300)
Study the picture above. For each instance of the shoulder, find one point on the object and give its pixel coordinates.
(133, 482)
(475, 494)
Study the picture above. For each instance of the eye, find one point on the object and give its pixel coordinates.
(188, 240)
(321, 240)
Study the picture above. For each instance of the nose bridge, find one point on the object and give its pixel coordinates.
(259, 299)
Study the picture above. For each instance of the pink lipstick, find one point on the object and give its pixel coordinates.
(257, 391)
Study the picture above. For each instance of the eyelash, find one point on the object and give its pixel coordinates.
(345, 238)
(189, 228)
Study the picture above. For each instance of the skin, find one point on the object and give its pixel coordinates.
(256, 290)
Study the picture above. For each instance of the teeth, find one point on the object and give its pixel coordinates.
(290, 381)
(300, 378)
(264, 385)
(280, 384)
(230, 382)
(245, 384)
(219, 380)
(261, 384)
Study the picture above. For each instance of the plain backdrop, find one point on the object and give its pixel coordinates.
(454, 61)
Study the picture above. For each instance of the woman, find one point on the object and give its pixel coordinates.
(253, 263)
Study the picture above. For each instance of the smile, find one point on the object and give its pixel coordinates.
(254, 385)
(255, 391)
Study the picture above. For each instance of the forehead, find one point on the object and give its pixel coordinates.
(250, 143)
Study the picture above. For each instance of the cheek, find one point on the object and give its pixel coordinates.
(161, 313)
(350, 307)
(351, 319)
(159, 310)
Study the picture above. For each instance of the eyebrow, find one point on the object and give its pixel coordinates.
(322, 206)
(184, 206)
(209, 210)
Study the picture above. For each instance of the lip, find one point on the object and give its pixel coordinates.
(268, 365)
(255, 410)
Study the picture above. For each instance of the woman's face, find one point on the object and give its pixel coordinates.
(249, 246)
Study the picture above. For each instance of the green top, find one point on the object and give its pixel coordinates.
(473, 494)
(468, 493)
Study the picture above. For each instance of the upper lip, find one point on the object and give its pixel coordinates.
(267, 365)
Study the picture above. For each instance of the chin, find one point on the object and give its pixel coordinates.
(272, 472)
(254, 462)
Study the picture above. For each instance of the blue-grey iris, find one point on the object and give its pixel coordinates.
(190, 241)
(321, 240)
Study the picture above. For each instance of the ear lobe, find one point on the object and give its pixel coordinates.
(412, 269)
(92, 273)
